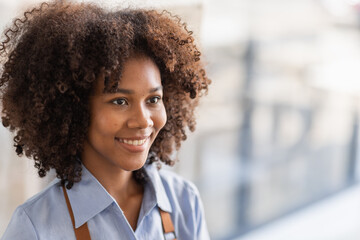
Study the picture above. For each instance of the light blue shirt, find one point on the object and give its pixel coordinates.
(45, 216)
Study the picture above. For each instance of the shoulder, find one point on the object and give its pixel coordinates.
(50, 196)
(177, 184)
(183, 195)
(20, 226)
(38, 215)
(187, 208)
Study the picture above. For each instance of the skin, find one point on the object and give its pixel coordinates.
(134, 113)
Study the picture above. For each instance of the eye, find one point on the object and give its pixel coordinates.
(120, 101)
(154, 100)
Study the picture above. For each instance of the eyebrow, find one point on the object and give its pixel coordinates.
(127, 91)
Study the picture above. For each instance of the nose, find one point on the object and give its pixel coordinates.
(140, 118)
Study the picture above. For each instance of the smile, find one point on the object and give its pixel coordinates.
(137, 142)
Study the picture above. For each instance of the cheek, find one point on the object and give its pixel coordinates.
(104, 123)
(160, 119)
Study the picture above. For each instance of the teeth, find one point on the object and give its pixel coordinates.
(135, 142)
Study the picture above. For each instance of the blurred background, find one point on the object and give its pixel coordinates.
(275, 154)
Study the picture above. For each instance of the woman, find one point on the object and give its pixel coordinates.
(100, 97)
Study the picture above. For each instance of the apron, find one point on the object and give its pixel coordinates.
(82, 233)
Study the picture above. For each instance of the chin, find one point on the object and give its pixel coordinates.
(134, 168)
(134, 165)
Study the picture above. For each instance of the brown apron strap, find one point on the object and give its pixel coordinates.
(167, 223)
(82, 232)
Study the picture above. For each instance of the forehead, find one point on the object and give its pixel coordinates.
(138, 73)
(140, 70)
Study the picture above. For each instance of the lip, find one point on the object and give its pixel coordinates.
(134, 138)
(134, 148)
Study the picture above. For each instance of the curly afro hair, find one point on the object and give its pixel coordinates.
(51, 58)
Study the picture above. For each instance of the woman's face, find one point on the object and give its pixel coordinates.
(123, 125)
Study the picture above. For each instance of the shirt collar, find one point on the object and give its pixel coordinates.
(88, 197)
(157, 187)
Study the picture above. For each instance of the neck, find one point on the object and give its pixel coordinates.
(119, 183)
